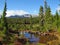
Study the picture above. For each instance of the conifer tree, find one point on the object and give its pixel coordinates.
(41, 18)
(57, 19)
(45, 6)
(31, 22)
(48, 18)
(4, 23)
(3, 18)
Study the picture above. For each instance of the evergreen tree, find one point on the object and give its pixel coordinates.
(31, 22)
(4, 24)
(45, 7)
(57, 19)
(24, 24)
(48, 19)
(3, 18)
(41, 18)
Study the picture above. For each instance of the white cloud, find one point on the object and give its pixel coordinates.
(15, 12)
(18, 12)
(58, 9)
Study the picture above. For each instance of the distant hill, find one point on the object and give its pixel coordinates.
(22, 16)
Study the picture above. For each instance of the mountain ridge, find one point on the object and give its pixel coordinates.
(22, 16)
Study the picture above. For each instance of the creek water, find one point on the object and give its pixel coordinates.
(32, 38)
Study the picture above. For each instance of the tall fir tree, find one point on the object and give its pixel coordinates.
(31, 25)
(3, 18)
(45, 7)
(48, 19)
(4, 23)
(57, 19)
(41, 18)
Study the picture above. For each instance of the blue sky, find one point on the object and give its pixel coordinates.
(29, 6)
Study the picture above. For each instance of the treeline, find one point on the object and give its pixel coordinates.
(43, 22)
(40, 23)
(47, 19)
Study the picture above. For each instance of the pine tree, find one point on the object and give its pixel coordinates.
(31, 22)
(4, 24)
(57, 19)
(45, 6)
(48, 19)
(41, 18)
(3, 18)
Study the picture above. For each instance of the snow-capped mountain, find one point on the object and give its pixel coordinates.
(22, 16)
